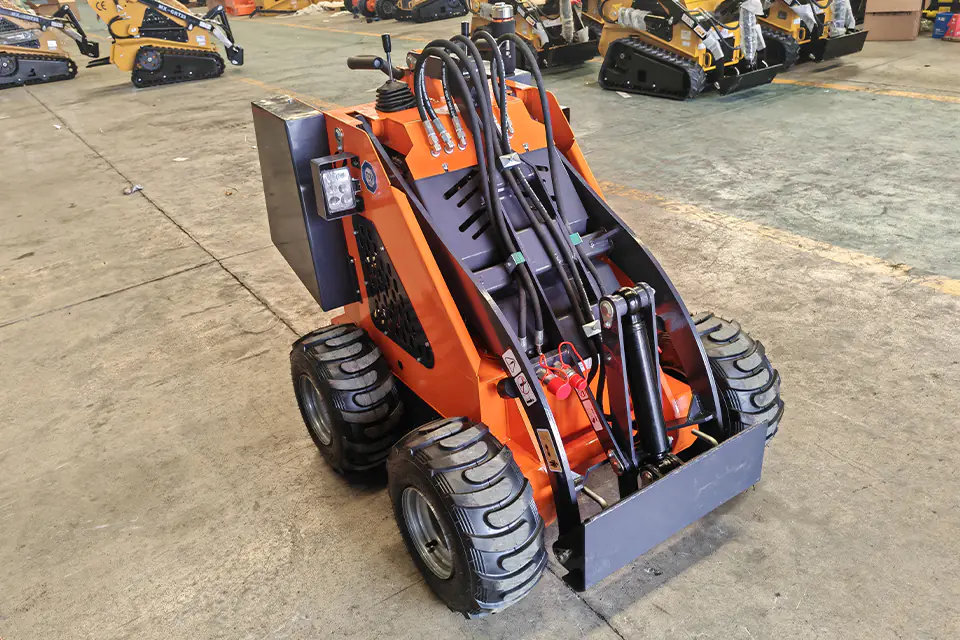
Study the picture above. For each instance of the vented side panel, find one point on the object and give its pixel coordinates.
(390, 307)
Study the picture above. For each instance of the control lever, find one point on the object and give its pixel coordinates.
(374, 63)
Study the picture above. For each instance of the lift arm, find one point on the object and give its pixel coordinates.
(64, 20)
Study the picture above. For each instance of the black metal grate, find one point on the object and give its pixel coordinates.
(391, 309)
(157, 25)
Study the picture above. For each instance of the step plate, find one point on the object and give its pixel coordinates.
(618, 535)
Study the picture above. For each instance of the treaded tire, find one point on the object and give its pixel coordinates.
(386, 9)
(485, 509)
(748, 385)
(356, 393)
(781, 48)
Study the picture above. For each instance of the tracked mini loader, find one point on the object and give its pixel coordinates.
(676, 49)
(558, 31)
(163, 43)
(801, 30)
(27, 56)
(279, 7)
(428, 10)
(506, 340)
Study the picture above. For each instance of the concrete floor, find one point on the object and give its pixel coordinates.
(156, 480)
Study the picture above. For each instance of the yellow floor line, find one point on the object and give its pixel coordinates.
(868, 263)
(348, 32)
(876, 91)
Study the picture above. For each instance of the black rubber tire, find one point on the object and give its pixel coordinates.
(782, 48)
(386, 9)
(485, 509)
(357, 391)
(748, 385)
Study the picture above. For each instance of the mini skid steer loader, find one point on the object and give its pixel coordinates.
(427, 10)
(801, 30)
(506, 340)
(24, 60)
(163, 43)
(676, 48)
(558, 31)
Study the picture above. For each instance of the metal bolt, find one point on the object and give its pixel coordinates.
(445, 167)
(608, 357)
(526, 147)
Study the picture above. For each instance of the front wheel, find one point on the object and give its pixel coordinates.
(467, 515)
(748, 385)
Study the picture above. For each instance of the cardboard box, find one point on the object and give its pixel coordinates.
(892, 26)
(893, 6)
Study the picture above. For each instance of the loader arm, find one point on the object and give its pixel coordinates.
(64, 20)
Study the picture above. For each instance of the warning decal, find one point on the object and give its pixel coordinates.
(549, 451)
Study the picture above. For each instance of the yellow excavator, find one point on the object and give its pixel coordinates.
(801, 30)
(163, 43)
(676, 49)
(28, 55)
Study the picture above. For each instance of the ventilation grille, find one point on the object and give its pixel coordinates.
(393, 314)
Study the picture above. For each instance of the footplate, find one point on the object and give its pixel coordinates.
(18, 69)
(567, 54)
(625, 531)
(748, 79)
(836, 46)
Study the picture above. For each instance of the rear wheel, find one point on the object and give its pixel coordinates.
(467, 515)
(347, 397)
(386, 9)
(748, 385)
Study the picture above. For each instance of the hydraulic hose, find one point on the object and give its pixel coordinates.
(511, 175)
(485, 161)
(551, 146)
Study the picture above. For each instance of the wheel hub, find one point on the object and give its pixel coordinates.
(427, 533)
(318, 419)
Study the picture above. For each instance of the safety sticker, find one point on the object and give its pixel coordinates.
(700, 31)
(590, 409)
(686, 18)
(510, 360)
(51, 44)
(526, 391)
(549, 450)
(202, 40)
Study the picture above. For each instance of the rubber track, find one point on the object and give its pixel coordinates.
(791, 48)
(180, 52)
(693, 71)
(71, 66)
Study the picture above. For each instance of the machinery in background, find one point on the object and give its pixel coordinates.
(27, 57)
(427, 10)
(163, 43)
(507, 347)
(558, 31)
(279, 7)
(801, 30)
(940, 6)
(677, 49)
